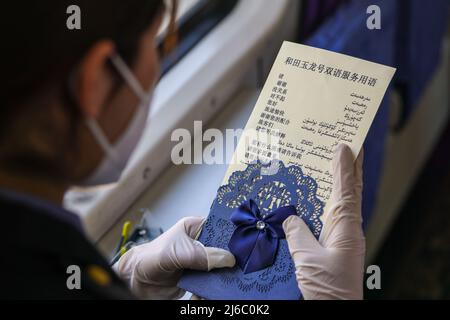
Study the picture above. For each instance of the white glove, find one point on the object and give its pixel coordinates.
(152, 270)
(333, 267)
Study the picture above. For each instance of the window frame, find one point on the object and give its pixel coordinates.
(193, 26)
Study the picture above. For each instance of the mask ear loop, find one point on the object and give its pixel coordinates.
(134, 84)
(128, 76)
(101, 139)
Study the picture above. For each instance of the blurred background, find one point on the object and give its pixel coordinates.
(224, 53)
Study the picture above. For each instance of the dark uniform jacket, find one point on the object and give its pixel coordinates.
(39, 243)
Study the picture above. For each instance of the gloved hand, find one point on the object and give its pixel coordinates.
(152, 270)
(333, 267)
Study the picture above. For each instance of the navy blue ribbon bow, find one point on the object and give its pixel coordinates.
(254, 243)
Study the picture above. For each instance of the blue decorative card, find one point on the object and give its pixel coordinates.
(270, 192)
(313, 100)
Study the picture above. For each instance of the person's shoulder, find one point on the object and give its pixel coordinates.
(49, 257)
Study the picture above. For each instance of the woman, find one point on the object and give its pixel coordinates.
(74, 107)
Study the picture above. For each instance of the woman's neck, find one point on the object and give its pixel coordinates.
(38, 186)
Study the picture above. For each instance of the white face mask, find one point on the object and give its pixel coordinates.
(116, 156)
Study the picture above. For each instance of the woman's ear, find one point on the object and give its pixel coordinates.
(95, 81)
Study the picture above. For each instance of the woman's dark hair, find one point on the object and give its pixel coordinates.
(39, 48)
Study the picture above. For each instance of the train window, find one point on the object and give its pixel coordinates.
(195, 19)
